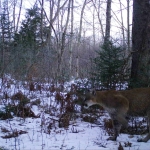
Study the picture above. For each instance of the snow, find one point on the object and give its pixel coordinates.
(79, 135)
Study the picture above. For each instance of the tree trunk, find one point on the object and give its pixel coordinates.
(42, 18)
(97, 9)
(122, 24)
(108, 21)
(63, 40)
(71, 39)
(94, 28)
(18, 19)
(14, 14)
(140, 69)
(128, 26)
(79, 38)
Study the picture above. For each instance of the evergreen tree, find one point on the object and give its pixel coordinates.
(27, 42)
(5, 37)
(30, 32)
(109, 70)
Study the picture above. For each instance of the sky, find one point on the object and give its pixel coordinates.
(87, 21)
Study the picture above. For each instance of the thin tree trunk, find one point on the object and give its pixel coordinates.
(14, 15)
(128, 26)
(61, 49)
(99, 19)
(18, 19)
(42, 19)
(94, 27)
(79, 38)
(108, 21)
(122, 24)
(71, 40)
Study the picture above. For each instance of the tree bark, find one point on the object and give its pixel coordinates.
(122, 24)
(42, 18)
(140, 69)
(79, 38)
(71, 39)
(128, 27)
(18, 19)
(108, 21)
(63, 40)
(98, 15)
(14, 14)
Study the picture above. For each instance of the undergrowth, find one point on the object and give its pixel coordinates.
(63, 107)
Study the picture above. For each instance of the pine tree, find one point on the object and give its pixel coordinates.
(30, 32)
(27, 41)
(5, 37)
(109, 66)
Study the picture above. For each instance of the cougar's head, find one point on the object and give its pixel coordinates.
(89, 99)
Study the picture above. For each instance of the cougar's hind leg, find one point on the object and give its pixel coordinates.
(148, 135)
(122, 119)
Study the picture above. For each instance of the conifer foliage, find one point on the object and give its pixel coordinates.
(109, 71)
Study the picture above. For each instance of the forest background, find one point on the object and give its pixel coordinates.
(56, 40)
(91, 43)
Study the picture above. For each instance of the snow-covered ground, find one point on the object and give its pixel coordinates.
(36, 135)
(79, 136)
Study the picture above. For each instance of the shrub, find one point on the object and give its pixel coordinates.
(109, 67)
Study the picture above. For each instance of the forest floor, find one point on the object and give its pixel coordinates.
(41, 129)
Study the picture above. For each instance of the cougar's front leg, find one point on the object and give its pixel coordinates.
(117, 127)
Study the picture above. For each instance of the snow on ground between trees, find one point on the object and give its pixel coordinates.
(42, 131)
